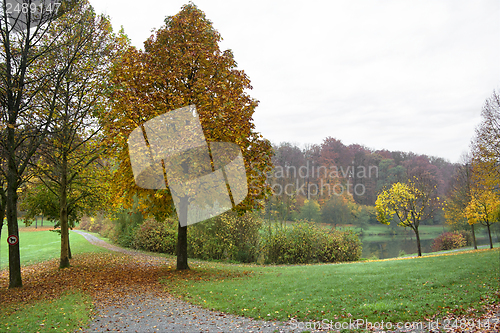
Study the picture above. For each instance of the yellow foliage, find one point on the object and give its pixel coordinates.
(483, 207)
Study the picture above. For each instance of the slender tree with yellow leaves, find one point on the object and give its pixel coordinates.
(483, 208)
(410, 203)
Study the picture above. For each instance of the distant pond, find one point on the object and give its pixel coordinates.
(391, 247)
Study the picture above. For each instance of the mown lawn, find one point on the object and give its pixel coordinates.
(389, 290)
(65, 314)
(36, 246)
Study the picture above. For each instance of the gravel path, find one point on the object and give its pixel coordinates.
(165, 313)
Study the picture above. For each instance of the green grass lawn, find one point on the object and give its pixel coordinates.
(389, 290)
(65, 314)
(36, 246)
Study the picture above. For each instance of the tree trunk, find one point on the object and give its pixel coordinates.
(473, 236)
(489, 234)
(3, 201)
(13, 229)
(63, 215)
(69, 249)
(182, 262)
(418, 242)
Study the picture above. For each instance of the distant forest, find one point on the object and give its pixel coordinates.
(335, 183)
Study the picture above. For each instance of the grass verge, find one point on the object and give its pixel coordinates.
(389, 290)
(38, 246)
(65, 314)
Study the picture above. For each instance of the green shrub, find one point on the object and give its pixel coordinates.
(225, 237)
(448, 241)
(339, 246)
(156, 236)
(304, 242)
(125, 223)
(296, 244)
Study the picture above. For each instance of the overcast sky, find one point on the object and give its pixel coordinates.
(397, 75)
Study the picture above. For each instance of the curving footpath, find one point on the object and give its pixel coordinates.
(150, 313)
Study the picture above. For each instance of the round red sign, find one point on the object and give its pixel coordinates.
(12, 240)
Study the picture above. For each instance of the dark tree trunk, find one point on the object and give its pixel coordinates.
(63, 215)
(417, 235)
(182, 258)
(3, 202)
(473, 236)
(489, 234)
(69, 249)
(13, 229)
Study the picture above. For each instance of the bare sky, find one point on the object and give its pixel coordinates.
(396, 74)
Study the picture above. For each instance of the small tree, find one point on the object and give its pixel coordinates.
(409, 203)
(337, 211)
(310, 211)
(483, 208)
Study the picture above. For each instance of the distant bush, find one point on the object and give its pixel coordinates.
(156, 236)
(226, 237)
(304, 242)
(125, 223)
(98, 223)
(294, 244)
(467, 235)
(448, 241)
(340, 246)
(91, 223)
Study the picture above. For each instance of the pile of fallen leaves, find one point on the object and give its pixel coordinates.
(107, 277)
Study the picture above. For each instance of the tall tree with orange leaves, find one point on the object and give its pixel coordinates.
(182, 65)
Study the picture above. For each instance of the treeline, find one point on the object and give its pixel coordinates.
(336, 183)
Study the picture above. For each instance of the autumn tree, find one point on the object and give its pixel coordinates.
(26, 44)
(486, 145)
(484, 208)
(182, 65)
(485, 193)
(3, 199)
(410, 202)
(285, 180)
(68, 161)
(459, 196)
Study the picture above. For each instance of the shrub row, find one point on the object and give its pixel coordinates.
(304, 242)
(232, 237)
